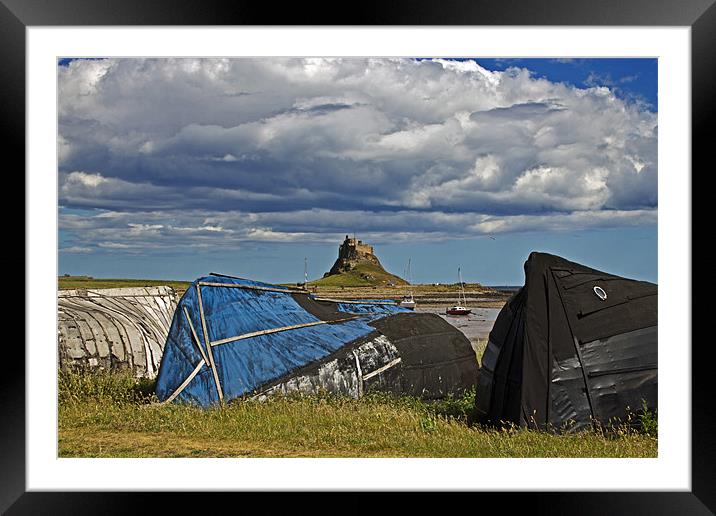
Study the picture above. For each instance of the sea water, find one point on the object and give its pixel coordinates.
(476, 325)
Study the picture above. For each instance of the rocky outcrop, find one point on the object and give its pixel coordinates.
(350, 253)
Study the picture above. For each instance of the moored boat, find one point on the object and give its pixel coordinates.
(460, 308)
(408, 301)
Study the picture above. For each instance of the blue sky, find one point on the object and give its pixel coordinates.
(172, 168)
(629, 79)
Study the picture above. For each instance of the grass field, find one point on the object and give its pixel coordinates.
(74, 282)
(112, 415)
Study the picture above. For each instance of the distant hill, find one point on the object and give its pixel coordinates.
(357, 266)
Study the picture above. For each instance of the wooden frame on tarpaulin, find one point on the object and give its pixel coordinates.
(700, 15)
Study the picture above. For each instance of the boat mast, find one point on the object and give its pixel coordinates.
(462, 299)
(409, 281)
(305, 272)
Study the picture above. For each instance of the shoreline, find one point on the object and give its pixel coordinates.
(425, 296)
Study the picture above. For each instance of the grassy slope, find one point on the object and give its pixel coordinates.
(108, 416)
(353, 277)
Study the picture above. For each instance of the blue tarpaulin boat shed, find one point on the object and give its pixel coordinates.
(232, 338)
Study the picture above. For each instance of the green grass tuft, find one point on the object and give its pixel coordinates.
(648, 421)
(120, 388)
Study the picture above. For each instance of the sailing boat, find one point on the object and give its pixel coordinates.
(460, 308)
(408, 301)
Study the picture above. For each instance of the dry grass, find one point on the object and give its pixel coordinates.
(112, 416)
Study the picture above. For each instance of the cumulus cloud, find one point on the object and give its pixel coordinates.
(197, 229)
(199, 151)
(75, 250)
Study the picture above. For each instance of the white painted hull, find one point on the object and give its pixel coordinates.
(118, 328)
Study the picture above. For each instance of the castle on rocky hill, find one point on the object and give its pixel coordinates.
(350, 252)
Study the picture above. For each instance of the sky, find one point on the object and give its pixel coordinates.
(174, 168)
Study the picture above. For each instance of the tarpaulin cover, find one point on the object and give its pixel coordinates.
(244, 366)
(572, 347)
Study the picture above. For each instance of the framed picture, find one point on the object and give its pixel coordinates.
(39, 39)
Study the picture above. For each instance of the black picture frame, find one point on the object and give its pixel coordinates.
(699, 15)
